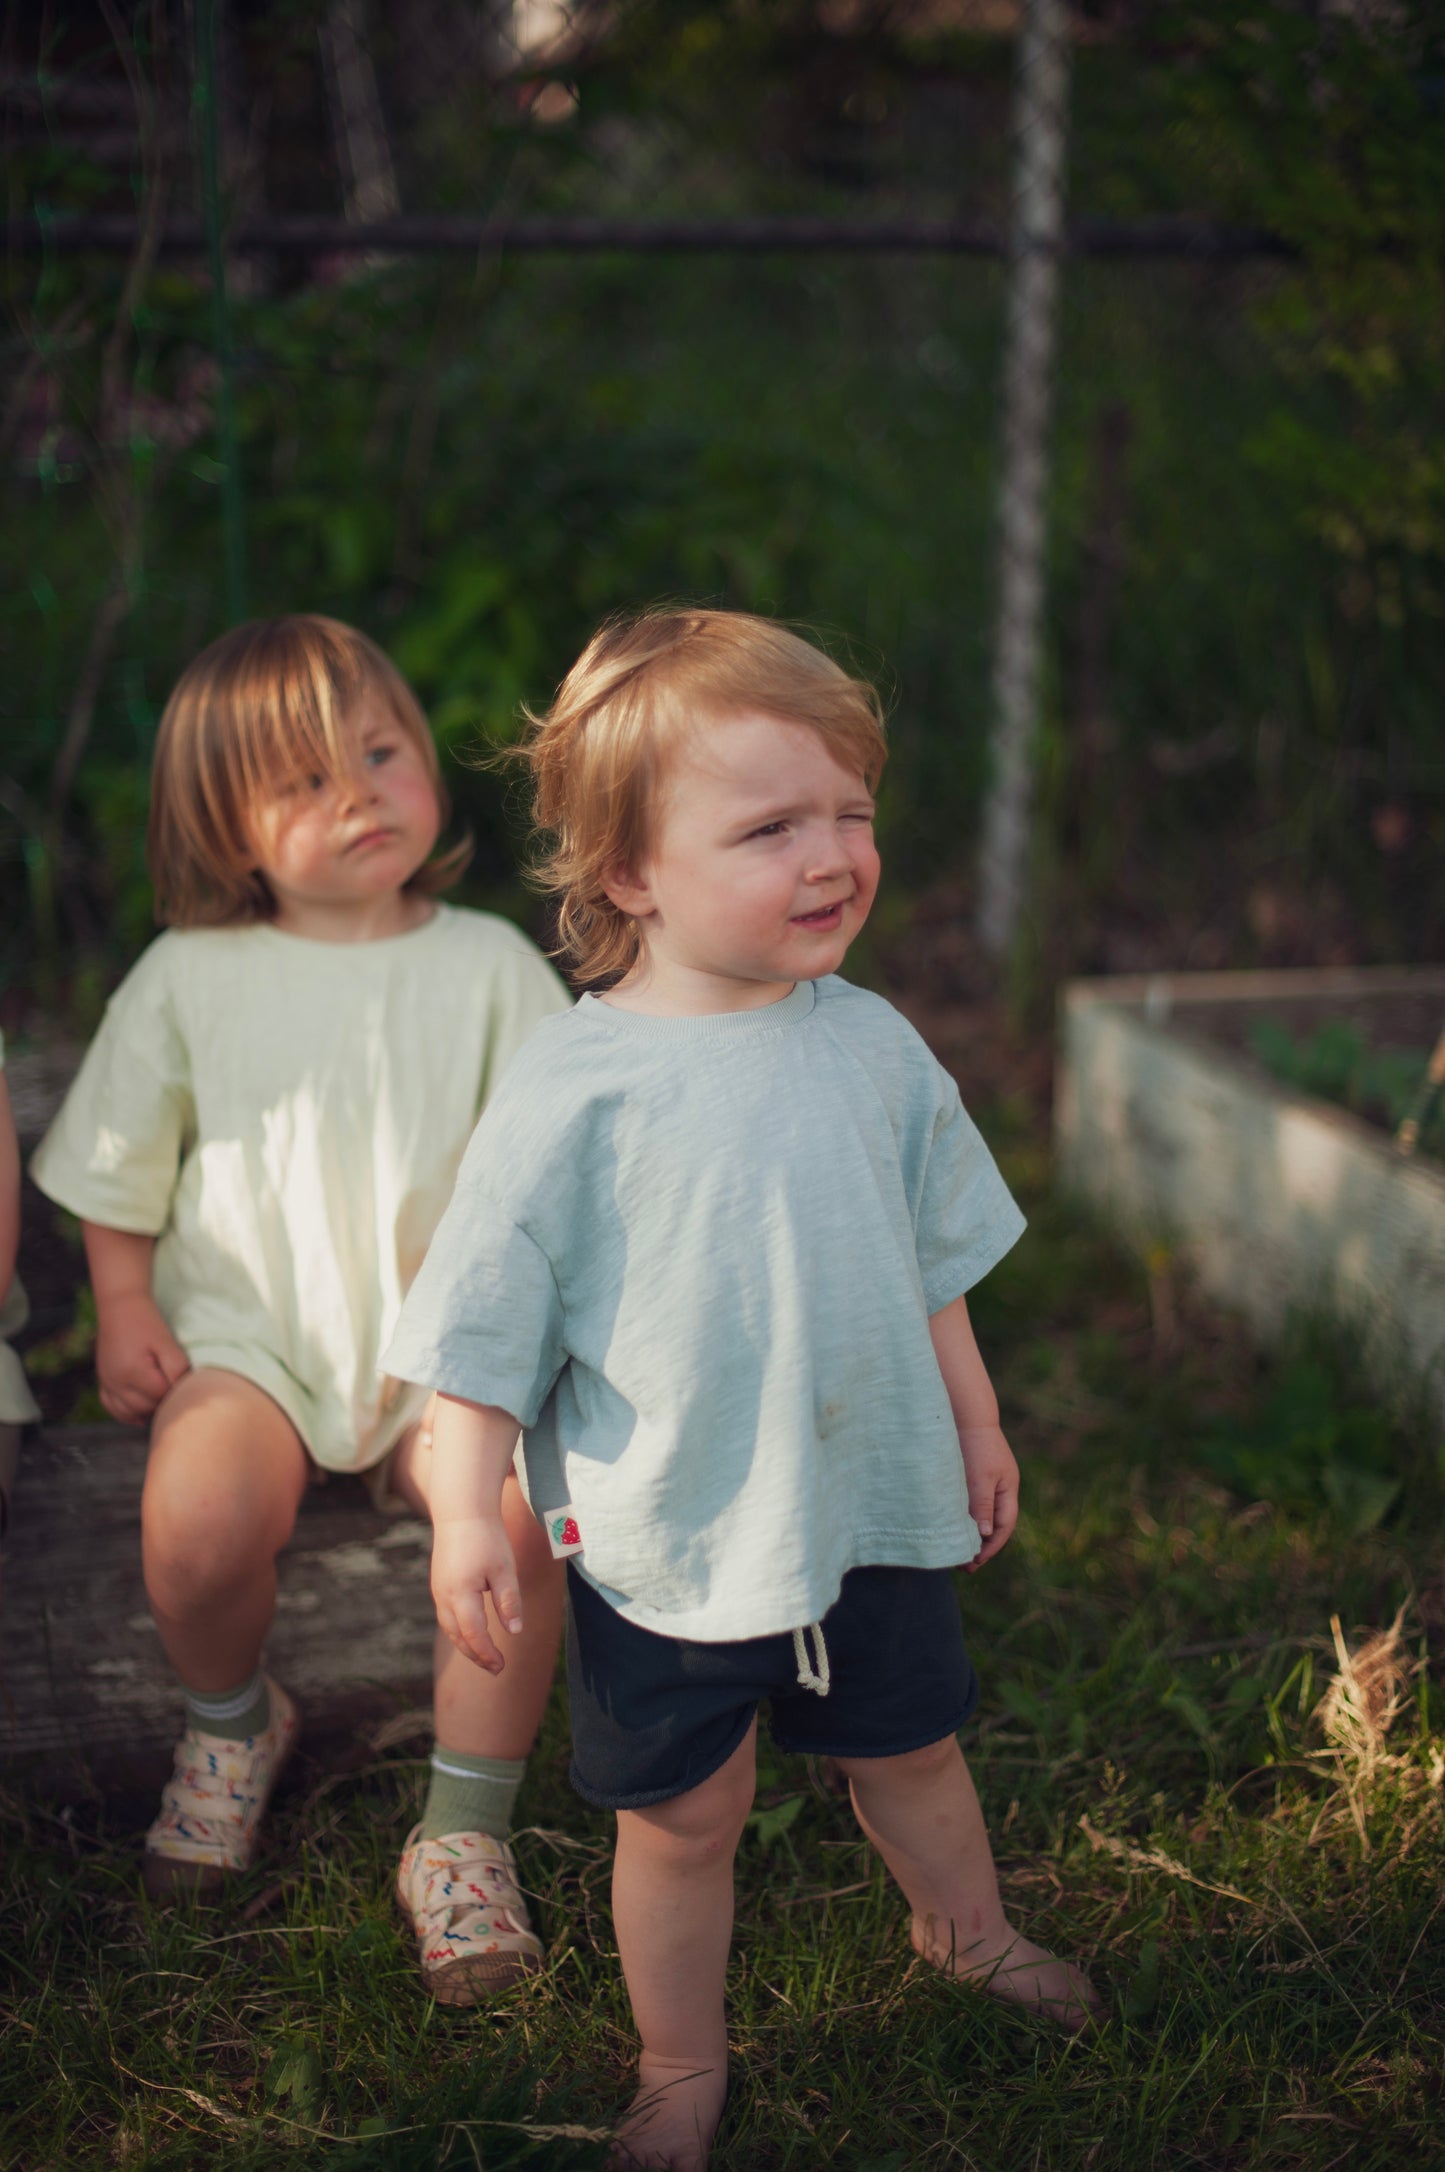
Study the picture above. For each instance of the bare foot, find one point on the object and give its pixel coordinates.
(1019, 1971)
(673, 2117)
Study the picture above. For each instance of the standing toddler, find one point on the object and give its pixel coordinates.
(709, 1248)
(259, 1144)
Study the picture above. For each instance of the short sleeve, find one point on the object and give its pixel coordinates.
(483, 1319)
(113, 1153)
(966, 1216)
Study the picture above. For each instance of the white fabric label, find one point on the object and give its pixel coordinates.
(563, 1535)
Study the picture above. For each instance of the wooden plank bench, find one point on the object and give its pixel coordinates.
(86, 1696)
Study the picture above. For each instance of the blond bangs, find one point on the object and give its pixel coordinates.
(294, 726)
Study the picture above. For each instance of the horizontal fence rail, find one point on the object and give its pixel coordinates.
(301, 234)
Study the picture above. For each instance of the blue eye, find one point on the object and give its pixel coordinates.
(376, 756)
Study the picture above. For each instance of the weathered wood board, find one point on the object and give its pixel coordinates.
(84, 1686)
(1280, 1203)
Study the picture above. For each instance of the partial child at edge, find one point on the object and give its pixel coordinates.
(17, 1405)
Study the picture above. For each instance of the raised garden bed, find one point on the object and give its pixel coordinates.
(1282, 1204)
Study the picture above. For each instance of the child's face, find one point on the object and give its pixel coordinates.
(761, 872)
(337, 855)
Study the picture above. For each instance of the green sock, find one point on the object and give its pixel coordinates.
(470, 1794)
(232, 1713)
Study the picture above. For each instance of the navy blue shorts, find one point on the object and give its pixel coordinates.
(653, 1716)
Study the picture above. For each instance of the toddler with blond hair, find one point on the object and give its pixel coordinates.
(259, 1144)
(709, 1249)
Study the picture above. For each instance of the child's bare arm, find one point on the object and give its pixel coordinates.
(472, 1449)
(137, 1358)
(9, 1193)
(988, 1460)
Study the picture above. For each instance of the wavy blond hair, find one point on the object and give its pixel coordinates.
(267, 703)
(640, 688)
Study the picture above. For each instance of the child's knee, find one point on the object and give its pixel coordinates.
(684, 1842)
(201, 1536)
(192, 1556)
(910, 1768)
(695, 1829)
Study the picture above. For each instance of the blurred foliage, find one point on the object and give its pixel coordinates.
(1337, 1062)
(1307, 1452)
(476, 462)
(1333, 135)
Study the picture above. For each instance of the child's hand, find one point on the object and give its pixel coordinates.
(988, 1462)
(137, 1358)
(472, 1556)
(993, 1487)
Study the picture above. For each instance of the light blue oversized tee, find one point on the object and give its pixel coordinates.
(695, 1258)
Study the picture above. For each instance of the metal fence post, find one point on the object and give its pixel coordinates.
(228, 450)
(1041, 98)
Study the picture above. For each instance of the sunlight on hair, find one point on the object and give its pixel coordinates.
(640, 689)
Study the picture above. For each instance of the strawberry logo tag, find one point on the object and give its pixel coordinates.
(563, 1535)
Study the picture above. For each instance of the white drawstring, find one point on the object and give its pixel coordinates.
(813, 1673)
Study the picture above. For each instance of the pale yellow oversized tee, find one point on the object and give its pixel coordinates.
(286, 1118)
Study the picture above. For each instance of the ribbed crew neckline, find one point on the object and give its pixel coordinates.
(712, 1026)
(379, 942)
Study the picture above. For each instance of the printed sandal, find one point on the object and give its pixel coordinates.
(466, 1911)
(213, 1803)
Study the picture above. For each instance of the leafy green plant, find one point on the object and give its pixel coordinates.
(1338, 1063)
(1308, 1450)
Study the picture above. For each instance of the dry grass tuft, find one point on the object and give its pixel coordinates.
(1367, 1696)
(1370, 1693)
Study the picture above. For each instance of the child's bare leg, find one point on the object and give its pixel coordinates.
(495, 1715)
(457, 1881)
(224, 1480)
(922, 1813)
(672, 1901)
(9, 1457)
(498, 1715)
(223, 1483)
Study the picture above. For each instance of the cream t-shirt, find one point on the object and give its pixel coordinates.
(286, 1118)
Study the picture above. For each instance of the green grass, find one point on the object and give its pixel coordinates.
(1261, 1910)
